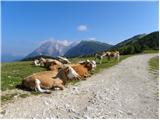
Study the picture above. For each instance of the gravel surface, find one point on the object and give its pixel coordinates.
(126, 90)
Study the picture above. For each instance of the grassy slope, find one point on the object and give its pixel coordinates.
(154, 67)
(13, 73)
(150, 51)
(154, 63)
(149, 43)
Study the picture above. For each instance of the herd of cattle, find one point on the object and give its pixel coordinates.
(62, 70)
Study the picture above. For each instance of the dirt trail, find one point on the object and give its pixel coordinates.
(127, 90)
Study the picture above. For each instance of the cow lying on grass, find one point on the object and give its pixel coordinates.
(84, 68)
(63, 60)
(36, 62)
(41, 61)
(43, 81)
(50, 62)
(53, 65)
(59, 74)
(81, 69)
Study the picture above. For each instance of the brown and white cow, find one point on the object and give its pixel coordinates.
(63, 60)
(84, 68)
(115, 55)
(43, 81)
(100, 56)
(108, 55)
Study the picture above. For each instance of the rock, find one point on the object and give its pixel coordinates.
(46, 103)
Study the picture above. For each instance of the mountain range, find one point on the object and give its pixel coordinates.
(72, 49)
(87, 48)
(54, 48)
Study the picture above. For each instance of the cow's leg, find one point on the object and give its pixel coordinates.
(118, 57)
(38, 87)
(61, 86)
(88, 75)
(101, 60)
(78, 78)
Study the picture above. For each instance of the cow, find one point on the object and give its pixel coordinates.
(63, 60)
(46, 80)
(115, 55)
(100, 56)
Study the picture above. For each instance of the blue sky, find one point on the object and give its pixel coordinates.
(27, 24)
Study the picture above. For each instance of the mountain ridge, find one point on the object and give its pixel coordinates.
(52, 48)
(135, 44)
(138, 44)
(87, 48)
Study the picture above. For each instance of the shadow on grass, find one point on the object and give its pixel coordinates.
(22, 87)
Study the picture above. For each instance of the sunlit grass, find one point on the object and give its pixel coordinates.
(13, 73)
(154, 65)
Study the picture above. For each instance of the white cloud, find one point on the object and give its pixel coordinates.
(66, 42)
(92, 38)
(82, 28)
(54, 41)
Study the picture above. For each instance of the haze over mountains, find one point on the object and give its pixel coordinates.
(71, 49)
(54, 48)
(10, 58)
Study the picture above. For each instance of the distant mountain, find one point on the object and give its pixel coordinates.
(138, 43)
(69, 49)
(52, 48)
(10, 58)
(87, 48)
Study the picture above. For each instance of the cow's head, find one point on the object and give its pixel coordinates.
(93, 64)
(90, 65)
(55, 65)
(70, 72)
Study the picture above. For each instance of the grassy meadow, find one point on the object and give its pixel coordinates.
(154, 66)
(13, 73)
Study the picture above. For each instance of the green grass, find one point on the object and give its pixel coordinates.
(8, 97)
(24, 95)
(13, 73)
(154, 63)
(154, 66)
(150, 51)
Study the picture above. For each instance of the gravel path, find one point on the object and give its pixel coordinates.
(126, 90)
